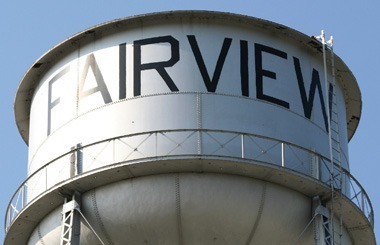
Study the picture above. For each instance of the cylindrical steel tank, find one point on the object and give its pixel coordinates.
(186, 127)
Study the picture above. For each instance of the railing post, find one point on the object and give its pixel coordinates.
(362, 199)
(156, 146)
(113, 150)
(79, 158)
(199, 141)
(76, 165)
(9, 219)
(242, 146)
(46, 178)
(282, 154)
(315, 166)
(22, 196)
(72, 161)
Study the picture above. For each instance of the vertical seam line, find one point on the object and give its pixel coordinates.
(41, 240)
(98, 218)
(178, 208)
(259, 214)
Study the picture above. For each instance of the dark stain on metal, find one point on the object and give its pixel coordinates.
(89, 32)
(315, 44)
(37, 65)
(281, 28)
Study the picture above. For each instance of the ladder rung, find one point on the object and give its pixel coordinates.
(336, 141)
(335, 121)
(335, 137)
(335, 147)
(337, 151)
(336, 157)
(334, 130)
(336, 174)
(337, 161)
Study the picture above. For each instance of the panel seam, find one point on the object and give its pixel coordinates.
(259, 213)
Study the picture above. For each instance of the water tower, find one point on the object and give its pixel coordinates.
(189, 127)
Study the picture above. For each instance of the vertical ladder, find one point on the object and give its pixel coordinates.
(332, 235)
(335, 148)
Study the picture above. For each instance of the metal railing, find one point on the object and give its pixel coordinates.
(194, 142)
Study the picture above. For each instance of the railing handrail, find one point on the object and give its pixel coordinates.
(35, 172)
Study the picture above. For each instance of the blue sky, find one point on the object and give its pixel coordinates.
(30, 28)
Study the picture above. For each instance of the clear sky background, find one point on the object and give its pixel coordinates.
(30, 28)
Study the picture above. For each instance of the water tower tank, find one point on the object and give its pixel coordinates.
(189, 127)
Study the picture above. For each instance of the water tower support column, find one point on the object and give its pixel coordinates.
(322, 229)
(71, 221)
